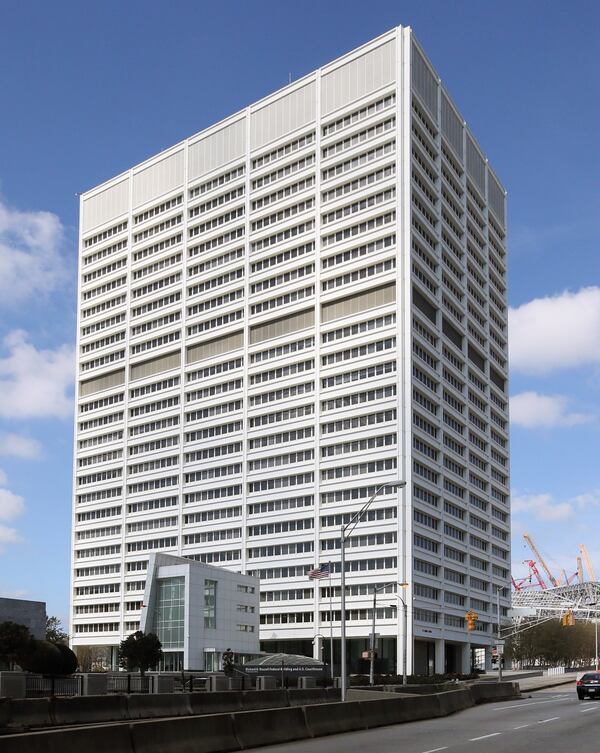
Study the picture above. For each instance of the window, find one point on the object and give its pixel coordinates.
(170, 612)
(210, 604)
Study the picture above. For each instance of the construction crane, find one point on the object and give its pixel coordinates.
(586, 559)
(580, 570)
(537, 553)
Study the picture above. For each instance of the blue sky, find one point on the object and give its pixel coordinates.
(88, 89)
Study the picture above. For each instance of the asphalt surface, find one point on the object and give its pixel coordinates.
(550, 721)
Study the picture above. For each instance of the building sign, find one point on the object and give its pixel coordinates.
(287, 670)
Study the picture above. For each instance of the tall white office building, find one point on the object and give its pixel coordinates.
(277, 315)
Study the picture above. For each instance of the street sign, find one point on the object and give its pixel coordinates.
(500, 648)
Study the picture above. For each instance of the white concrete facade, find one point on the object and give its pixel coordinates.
(277, 315)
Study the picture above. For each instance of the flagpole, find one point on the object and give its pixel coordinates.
(330, 623)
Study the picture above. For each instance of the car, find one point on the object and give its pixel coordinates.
(589, 685)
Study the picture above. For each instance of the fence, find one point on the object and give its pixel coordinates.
(122, 683)
(42, 687)
(556, 670)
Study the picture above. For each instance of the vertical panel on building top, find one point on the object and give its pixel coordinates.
(158, 179)
(358, 78)
(452, 127)
(217, 149)
(475, 165)
(105, 205)
(496, 197)
(283, 116)
(424, 82)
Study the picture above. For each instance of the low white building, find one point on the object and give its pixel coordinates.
(198, 611)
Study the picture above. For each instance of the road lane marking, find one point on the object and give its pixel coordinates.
(552, 719)
(483, 737)
(434, 750)
(582, 711)
(523, 705)
(522, 726)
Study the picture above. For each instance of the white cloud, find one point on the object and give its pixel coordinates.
(19, 447)
(588, 499)
(556, 332)
(11, 505)
(542, 507)
(534, 411)
(31, 262)
(8, 536)
(34, 383)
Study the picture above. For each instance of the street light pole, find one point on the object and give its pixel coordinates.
(596, 631)
(345, 532)
(372, 641)
(499, 656)
(404, 636)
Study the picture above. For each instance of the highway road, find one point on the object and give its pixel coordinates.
(550, 721)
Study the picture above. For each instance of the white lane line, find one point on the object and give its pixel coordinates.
(483, 737)
(552, 719)
(434, 750)
(522, 705)
(522, 726)
(582, 711)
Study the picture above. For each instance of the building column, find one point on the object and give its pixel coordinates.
(466, 658)
(488, 658)
(439, 656)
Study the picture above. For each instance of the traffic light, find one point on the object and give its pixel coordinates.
(568, 619)
(471, 618)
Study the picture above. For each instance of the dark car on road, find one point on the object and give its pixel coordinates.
(589, 685)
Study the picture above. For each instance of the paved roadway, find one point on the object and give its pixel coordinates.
(550, 721)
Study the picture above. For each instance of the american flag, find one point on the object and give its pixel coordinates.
(324, 571)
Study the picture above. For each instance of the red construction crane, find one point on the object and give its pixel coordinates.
(540, 559)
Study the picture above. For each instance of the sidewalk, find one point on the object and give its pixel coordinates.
(539, 683)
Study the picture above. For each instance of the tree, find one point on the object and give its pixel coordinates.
(15, 642)
(68, 658)
(43, 658)
(54, 631)
(140, 651)
(551, 643)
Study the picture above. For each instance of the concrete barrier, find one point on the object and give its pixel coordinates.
(89, 709)
(307, 696)
(399, 710)
(264, 699)
(334, 694)
(271, 726)
(114, 738)
(4, 712)
(454, 700)
(379, 713)
(498, 691)
(147, 706)
(333, 718)
(25, 713)
(215, 703)
(198, 734)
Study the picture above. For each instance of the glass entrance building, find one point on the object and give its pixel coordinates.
(198, 612)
